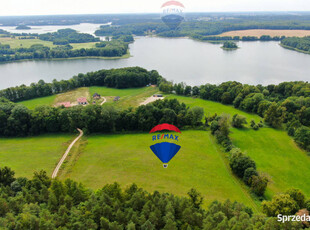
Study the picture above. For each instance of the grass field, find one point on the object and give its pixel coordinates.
(276, 154)
(72, 95)
(272, 33)
(128, 97)
(29, 154)
(31, 104)
(127, 159)
(211, 107)
(26, 43)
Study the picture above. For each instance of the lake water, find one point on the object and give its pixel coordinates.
(89, 28)
(178, 59)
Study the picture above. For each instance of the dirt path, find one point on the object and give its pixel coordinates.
(66, 154)
(104, 101)
(151, 99)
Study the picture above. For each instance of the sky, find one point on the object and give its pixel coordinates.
(50, 7)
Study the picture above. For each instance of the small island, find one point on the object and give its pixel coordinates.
(23, 27)
(228, 45)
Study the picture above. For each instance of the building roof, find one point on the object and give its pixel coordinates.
(82, 100)
(96, 95)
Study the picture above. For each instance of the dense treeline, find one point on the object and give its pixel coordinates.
(129, 77)
(203, 28)
(42, 203)
(69, 36)
(287, 103)
(301, 44)
(114, 48)
(17, 120)
(238, 38)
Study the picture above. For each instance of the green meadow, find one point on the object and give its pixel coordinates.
(28, 154)
(128, 97)
(128, 159)
(100, 159)
(27, 43)
(276, 154)
(32, 103)
(211, 107)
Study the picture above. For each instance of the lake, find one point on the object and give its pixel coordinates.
(180, 60)
(88, 28)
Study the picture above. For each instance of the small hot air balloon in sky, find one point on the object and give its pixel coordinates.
(172, 14)
(165, 151)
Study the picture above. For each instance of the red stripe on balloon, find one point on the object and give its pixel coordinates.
(172, 3)
(165, 127)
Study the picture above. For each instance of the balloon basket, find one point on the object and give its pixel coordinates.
(165, 166)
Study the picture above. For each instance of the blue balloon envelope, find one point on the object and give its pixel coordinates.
(165, 151)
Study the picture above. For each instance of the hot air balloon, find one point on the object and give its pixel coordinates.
(172, 14)
(165, 151)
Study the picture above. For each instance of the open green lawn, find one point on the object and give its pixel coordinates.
(128, 159)
(276, 154)
(128, 97)
(26, 43)
(32, 103)
(211, 107)
(29, 154)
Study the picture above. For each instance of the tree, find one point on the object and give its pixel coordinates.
(170, 225)
(275, 115)
(239, 163)
(230, 45)
(259, 184)
(196, 198)
(298, 196)
(131, 226)
(195, 115)
(248, 174)
(6, 176)
(147, 226)
(302, 137)
(238, 121)
(280, 204)
(224, 125)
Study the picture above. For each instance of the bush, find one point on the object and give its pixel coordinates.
(280, 204)
(298, 196)
(248, 173)
(239, 163)
(238, 121)
(259, 184)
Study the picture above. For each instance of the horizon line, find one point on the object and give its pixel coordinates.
(142, 13)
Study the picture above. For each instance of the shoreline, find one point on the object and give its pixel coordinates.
(294, 49)
(125, 56)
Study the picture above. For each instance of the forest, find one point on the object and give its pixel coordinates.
(17, 120)
(42, 203)
(286, 104)
(202, 28)
(129, 77)
(66, 36)
(300, 44)
(122, 19)
(113, 48)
